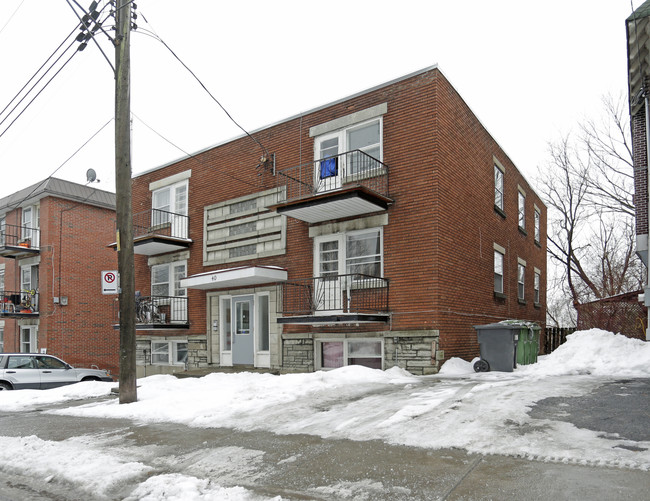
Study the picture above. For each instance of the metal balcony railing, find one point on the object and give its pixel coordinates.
(352, 168)
(353, 293)
(20, 236)
(157, 222)
(18, 302)
(158, 311)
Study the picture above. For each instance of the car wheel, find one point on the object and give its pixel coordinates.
(5, 387)
(90, 378)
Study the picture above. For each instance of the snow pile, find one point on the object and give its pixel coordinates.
(596, 352)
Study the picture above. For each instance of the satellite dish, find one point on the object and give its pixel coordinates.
(91, 175)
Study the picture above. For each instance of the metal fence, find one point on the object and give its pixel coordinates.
(352, 168)
(20, 236)
(160, 222)
(352, 293)
(18, 302)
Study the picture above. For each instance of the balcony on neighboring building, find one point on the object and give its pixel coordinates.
(345, 185)
(18, 304)
(158, 231)
(334, 299)
(157, 312)
(19, 241)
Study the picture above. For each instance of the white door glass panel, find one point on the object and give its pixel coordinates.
(327, 287)
(243, 331)
(328, 166)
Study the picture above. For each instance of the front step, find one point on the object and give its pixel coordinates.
(204, 371)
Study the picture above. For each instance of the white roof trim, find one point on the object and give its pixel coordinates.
(235, 277)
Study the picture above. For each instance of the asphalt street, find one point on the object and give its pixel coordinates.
(303, 467)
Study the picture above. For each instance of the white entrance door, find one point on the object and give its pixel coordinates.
(243, 331)
(329, 166)
(329, 267)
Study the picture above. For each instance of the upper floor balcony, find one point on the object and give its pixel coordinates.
(332, 299)
(158, 231)
(19, 304)
(19, 241)
(345, 185)
(158, 312)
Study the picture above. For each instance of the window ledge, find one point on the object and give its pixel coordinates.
(500, 211)
(537, 306)
(538, 244)
(499, 295)
(522, 302)
(523, 231)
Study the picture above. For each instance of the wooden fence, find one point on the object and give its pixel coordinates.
(554, 337)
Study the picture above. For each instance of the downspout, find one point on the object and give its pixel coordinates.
(647, 162)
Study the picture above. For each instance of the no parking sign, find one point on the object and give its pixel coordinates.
(109, 282)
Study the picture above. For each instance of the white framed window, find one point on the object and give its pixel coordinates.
(521, 209)
(2, 279)
(354, 252)
(498, 269)
(521, 280)
(498, 186)
(28, 339)
(29, 285)
(537, 223)
(537, 286)
(166, 279)
(362, 144)
(3, 230)
(334, 353)
(2, 338)
(169, 207)
(168, 352)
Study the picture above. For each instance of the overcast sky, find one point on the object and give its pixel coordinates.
(529, 70)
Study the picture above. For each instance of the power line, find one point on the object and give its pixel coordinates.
(266, 154)
(12, 16)
(60, 166)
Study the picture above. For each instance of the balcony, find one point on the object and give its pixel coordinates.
(346, 185)
(157, 231)
(353, 298)
(157, 312)
(19, 241)
(19, 304)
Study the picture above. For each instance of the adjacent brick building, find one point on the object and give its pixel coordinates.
(53, 238)
(375, 230)
(638, 61)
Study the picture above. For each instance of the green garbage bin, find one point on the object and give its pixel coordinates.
(528, 343)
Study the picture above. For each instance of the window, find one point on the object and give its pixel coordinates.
(2, 339)
(169, 207)
(168, 352)
(538, 217)
(3, 230)
(357, 252)
(521, 209)
(2, 279)
(28, 339)
(168, 295)
(29, 285)
(364, 141)
(536, 286)
(26, 232)
(521, 280)
(498, 187)
(334, 354)
(498, 271)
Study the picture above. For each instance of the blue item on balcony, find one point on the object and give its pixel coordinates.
(329, 168)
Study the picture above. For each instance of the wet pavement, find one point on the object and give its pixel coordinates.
(303, 467)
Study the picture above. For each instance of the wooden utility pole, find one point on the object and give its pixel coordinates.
(125, 264)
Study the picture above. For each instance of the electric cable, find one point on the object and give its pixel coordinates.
(38, 185)
(91, 32)
(12, 15)
(266, 154)
(189, 155)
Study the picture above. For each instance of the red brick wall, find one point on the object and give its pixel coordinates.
(438, 245)
(73, 252)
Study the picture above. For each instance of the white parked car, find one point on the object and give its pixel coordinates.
(36, 371)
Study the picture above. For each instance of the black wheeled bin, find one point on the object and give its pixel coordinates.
(498, 347)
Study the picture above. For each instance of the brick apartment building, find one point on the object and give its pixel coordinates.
(375, 230)
(53, 238)
(638, 52)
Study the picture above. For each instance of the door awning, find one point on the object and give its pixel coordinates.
(244, 276)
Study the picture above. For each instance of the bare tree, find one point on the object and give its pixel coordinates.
(587, 186)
